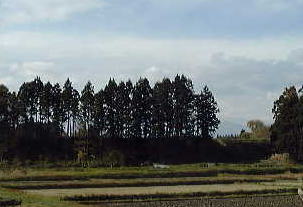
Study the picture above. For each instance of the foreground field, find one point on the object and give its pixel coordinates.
(183, 185)
(273, 201)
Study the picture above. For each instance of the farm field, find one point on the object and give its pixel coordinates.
(140, 182)
(270, 201)
(180, 185)
(156, 189)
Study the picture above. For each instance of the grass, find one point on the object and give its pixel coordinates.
(194, 170)
(29, 200)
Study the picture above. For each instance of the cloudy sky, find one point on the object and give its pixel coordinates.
(245, 51)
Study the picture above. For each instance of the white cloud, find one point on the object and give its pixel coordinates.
(246, 76)
(246, 87)
(65, 46)
(28, 11)
(16, 73)
(32, 68)
(155, 74)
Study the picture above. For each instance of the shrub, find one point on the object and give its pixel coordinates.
(113, 158)
(280, 158)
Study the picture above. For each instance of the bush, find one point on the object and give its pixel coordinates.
(113, 158)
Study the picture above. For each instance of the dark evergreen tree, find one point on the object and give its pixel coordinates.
(67, 106)
(87, 106)
(142, 108)
(162, 115)
(99, 113)
(75, 111)
(206, 106)
(47, 102)
(123, 108)
(158, 123)
(183, 99)
(285, 130)
(4, 120)
(127, 110)
(14, 110)
(4, 107)
(58, 115)
(30, 95)
(110, 95)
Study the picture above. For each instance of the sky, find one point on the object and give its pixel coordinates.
(247, 52)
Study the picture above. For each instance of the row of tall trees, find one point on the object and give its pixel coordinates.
(287, 130)
(122, 110)
(125, 110)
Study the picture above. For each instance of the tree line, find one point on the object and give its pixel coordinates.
(45, 119)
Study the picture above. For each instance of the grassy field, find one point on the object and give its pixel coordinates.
(137, 182)
(60, 186)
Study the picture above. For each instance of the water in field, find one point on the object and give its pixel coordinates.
(273, 201)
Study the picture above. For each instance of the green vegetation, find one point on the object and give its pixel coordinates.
(190, 170)
(286, 132)
(34, 200)
(259, 130)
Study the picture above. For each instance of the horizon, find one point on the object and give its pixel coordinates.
(245, 57)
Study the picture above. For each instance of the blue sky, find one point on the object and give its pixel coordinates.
(246, 51)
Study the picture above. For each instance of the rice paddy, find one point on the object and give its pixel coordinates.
(177, 186)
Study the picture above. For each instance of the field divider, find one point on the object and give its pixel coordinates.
(133, 184)
(109, 198)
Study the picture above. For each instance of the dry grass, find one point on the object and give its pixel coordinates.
(154, 189)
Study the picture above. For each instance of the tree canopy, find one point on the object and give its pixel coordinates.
(287, 130)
